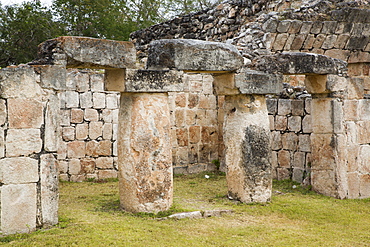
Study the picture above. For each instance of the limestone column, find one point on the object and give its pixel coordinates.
(144, 152)
(248, 152)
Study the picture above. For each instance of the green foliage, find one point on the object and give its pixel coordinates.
(22, 28)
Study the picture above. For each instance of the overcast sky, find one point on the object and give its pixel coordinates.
(9, 2)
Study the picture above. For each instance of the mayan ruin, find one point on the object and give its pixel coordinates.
(261, 90)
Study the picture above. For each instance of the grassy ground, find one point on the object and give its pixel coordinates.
(90, 216)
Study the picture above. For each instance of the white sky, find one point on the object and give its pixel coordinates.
(9, 2)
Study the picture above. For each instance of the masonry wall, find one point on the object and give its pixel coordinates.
(89, 124)
(28, 145)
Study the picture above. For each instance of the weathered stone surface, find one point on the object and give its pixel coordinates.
(21, 142)
(18, 208)
(52, 76)
(248, 151)
(154, 81)
(25, 113)
(299, 63)
(193, 55)
(49, 182)
(52, 129)
(144, 153)
(257, 82)
(19, 82)
(83, 52)
(19, 170)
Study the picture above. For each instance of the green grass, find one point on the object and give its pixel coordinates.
(90, 216)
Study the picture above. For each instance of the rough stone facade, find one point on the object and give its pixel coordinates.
(89, 125)
(28, 165)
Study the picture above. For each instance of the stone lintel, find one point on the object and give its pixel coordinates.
(193, 55)
(84, 52)
(257, 82)
(144, 81)
(299, 63)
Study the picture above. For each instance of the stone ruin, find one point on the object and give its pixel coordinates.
(184, 103)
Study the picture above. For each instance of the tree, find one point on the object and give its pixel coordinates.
(22, 28)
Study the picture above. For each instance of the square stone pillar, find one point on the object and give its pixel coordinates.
(248, 152)
(144, 152)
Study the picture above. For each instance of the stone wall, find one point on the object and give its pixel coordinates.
(28, 137)
(89, 125)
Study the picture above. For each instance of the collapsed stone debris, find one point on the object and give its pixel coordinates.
(176, 105)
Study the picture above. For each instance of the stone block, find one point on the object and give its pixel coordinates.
(272, 122)
(299, 160)
(18, 208)
(322, 120)
(306, 27)
(364, 109)
(155, 81)
(193, 154)
(207, 84)
(115, 132)
(364, 159)
(297, 107)
(323, 151)
(107, 131)
(52, 124)
(19, 170)
(180, 99)
(65, 117)
(281, 122)
(182, 136)
(338, 54)
(299, 63)
(351, 132)
(194, 134)
(106, 115)
(68, 133)
(193, 100)
(304, 143)
(86, 100)
(353, 185)
(336, 83)
(190, 118)
(289, 42)
(295, 123)
(52, 76)
(363, 132)
(283, 173)
(82, 131)
(283, 26)
(319, 41)
(3, 112)
(72, 99)
(88, 166)
(307, 124)
(207, 101)
(62, 166)
(341, 41)
(77, 178)
(225, 84)
(83, 52)
(49, 181)
(323, 182)
(25, 113)
(101, 148)
(99, 100)
(77, 116)
(295, 26)
(329, 42)
(284, 158)
(271, 106)
(104, 174)
(364, 185)
(22, 142)
(284, 107)
(209, 135)
(97, 82)
(308, 43)
(298, 42)
(298, 175)
(290, 141)
(19, 82)
(276, 143)
(95, 130)
(307, 105)
(2, 143)
(257, 82)
(91, 115)
(62, 150)
(180, 118)
(355, 88)
(193, 55)
(76, 149)
(74, 166)
(104, 163)
(329, 27)
(114, 80)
